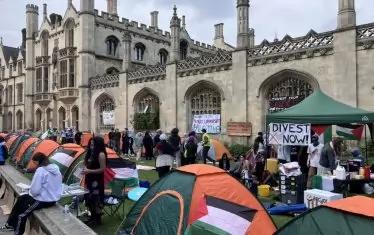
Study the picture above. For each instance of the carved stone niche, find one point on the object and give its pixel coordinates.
(298, 56)
(285, 57)
(310, 53)
(368, 45)
(323, 52)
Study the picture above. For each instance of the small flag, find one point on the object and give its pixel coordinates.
(350, 132)
(324, 133)
(122, 169)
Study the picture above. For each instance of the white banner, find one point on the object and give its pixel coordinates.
(210, 122)
(108, 117)
(289, 134)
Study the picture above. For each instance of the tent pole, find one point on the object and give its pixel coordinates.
(366, 147)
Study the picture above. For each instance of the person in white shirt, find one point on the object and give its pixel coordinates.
(45, 191)
(284, 154)
(314, 154)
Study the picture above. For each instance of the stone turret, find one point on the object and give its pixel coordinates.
(45, 15)
(32, 23)
(346, 14)
(251, 37)
(112, 7)
(154, 19)
(175, 26)
(126, 64)
(242, 7)
(70, 3)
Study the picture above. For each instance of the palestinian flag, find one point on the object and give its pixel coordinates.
(350, 132)
(220, 217)
(63, 158)
(122, 169)
(324, 133)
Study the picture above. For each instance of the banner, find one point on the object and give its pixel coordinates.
(210, 122)
(108, 117)
(282, 103)
(289, 134)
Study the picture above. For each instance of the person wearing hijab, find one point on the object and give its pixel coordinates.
(164, 153)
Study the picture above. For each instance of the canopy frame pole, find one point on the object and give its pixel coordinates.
(366, 147)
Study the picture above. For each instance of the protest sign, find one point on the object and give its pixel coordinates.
(108, 117)
(210, 122)
(289, 134)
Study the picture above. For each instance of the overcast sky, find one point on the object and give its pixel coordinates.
(268, 17)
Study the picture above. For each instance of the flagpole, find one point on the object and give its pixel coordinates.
(366, 147)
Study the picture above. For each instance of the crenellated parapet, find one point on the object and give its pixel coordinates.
(365, 36)
(147, 74)
(31, 8)
(205, 64)
(313, 44)
(105, 81)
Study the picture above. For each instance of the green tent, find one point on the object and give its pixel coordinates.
(320, 108)
(348, 216)
(16, 145)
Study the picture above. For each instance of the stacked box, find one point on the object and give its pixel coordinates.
(292, 189)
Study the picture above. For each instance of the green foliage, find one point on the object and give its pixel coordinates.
(370, 148)
(146, 121)
(239, 149)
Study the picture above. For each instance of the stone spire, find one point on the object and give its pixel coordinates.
(346, 14)
(70, 3)
(183, 22)
(175, 26)
(242, 7)
(126, 39)
(45, 14)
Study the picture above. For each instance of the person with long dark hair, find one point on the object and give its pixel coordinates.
(95, 162)
(259, 156)
(148, 146)
(164, 156)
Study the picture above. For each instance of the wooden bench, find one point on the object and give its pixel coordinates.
(50, 221)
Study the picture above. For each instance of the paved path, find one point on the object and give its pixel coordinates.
(3, 219)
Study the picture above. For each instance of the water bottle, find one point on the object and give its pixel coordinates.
(75, 202)
(66, 213)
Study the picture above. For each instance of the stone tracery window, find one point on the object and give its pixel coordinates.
(183, 49)
(163, 56)
(139, 51)
(106, 105)
(69, 33)
(205, 100)
(148, 103)
(112, 43)
(44, 43)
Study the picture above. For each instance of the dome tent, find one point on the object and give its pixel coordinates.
(198, 199)
(353, 215)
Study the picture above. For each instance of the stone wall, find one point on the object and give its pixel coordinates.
(49, 221)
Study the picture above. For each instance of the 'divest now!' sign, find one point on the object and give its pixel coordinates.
(289, 134)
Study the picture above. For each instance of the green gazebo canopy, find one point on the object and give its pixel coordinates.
(320, 108)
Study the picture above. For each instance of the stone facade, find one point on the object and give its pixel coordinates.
(178, 77)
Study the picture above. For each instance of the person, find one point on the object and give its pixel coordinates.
(190, 151)
(314, 154)
(78, 137)
(95, 164)
(148, 146)
(224, 163)
(125, 142)
(259, 157)
(110, 137)
(63, 137)
(356, 155)
(131, 143)
(69, 136)
(237, 168)
(330, 153)
(175, 142)
(3, 151)
(156, 138)
(139, 145)
(206, 146)
(45, 190)
(117, 141)
(164, 156)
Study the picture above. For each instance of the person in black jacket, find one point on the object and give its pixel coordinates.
(148, 146)
(175, 142)
(329, 155)
(224, 163)
(125, 142)
(190, 151)
(78, 137)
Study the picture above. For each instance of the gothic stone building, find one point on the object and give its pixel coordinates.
(95, 62)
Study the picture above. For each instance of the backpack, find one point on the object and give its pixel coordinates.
(190, 149)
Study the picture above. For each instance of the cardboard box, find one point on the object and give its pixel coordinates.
(316, 197)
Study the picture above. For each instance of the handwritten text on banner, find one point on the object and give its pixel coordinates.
(289, 134)
(210, 122)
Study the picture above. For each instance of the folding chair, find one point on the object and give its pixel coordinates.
(119, 194)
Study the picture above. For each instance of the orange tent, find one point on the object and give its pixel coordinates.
(21, 150)
(106, 140)
(200, 199)
(11, 141)
(46, 147)
(86, 136)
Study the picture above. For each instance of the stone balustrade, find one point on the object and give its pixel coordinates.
(49, 221)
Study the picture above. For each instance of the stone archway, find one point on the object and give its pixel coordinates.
(61, 118)
(104, 103)
(38, 120)
(48, 120)
(75, 117)
(10, 122)
(19, 116)
(203, 98)
(284, 90)
(146, 105)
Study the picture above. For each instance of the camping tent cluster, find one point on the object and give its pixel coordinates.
(69, 158)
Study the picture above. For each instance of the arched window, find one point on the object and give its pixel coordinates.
(183, 49)
(148, 103)
(19, 120)
(287, 92)
(139, 51)
(10, 122)
(62, 118)
(44, 43)
(112, 70)
(112, 43)
(38, 120)
(107, 105)
(205, 100)
(163, 56)
(69, 33)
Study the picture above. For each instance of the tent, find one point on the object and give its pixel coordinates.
(10, 136)
(117, 168)
(198, 199)
(17, 144)
(23, 147)
(42, 146)
(86, 136)
(10, 141)
(352, 215)
(319, 108)
(216, 150)
(65, 155)
(4, 135)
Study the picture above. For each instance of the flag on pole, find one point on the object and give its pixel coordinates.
(350, 132)
(324, 133)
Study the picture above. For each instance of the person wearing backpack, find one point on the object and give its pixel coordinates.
(3, 151)
(190, 151)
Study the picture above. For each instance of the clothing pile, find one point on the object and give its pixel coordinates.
(290, 169)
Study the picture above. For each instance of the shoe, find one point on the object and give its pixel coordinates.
(7, 228)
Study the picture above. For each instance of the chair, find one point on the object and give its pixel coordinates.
(119, 194)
